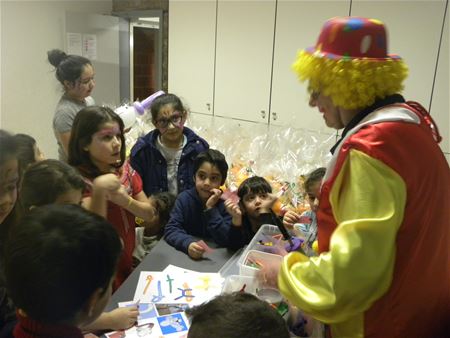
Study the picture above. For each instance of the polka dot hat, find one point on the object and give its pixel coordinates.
(349, 38)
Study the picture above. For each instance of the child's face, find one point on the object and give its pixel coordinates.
(255, 203)
(104, 149)
(313, 195)
(101, 300)
(206, 178)
(83, 86)
(170, 124)
(9, 177)
(71, 196)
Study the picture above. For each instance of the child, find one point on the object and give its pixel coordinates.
(165, 157)
(28, 151)
(312, 189)
(149, 233)
(254, 209)
(9, 178)
(59, 266)
(50, 181)
(76, 75)
(97, 150)
(236, 315)
(56, 182)
(199, 211)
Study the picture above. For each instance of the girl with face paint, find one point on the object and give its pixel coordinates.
(165, 157)
(97, 150)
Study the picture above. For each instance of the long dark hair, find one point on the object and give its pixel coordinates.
(87, 122)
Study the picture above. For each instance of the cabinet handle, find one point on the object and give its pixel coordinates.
(208, 106)
(263, 114)
(274, 116)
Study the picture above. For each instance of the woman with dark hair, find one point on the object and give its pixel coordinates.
(76, 75)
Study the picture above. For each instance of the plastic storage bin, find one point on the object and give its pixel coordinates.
(236, 283)
(258, 257)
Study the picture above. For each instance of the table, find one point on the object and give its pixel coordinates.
(162, 255)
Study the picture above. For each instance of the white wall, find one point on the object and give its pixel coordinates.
(29, 89)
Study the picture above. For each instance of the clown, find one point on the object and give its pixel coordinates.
(384, 207)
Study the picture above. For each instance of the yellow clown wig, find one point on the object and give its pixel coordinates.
(346, 65)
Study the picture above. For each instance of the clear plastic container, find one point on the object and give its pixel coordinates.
(235, 283)
(252, 261)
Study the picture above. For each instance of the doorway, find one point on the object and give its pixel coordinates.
(145, 57)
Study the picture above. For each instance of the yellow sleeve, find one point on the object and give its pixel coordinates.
(368, 201)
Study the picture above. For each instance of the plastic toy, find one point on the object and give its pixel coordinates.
(128, 113)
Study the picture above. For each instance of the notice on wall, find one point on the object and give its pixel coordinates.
(90, 46)
(74, 44)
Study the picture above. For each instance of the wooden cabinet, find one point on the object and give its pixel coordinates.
(236, 56)
(414, 30)
(191, 53)
(244, 47)
(298, 25)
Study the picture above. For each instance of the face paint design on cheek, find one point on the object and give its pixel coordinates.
(114, 131)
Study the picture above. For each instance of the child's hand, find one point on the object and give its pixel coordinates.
(212, 200)
(120, 197)
(290, 218)
(267, 203)
(123, 317)
(268, 274)
(106, 183)
(195, 250)
(235, 211)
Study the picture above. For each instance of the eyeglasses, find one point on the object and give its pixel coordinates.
(175, 119)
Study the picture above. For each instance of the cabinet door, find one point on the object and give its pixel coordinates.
(414, 29)
(298, 27)
(191, 52)
(244, 47)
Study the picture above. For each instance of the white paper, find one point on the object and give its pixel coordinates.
(90, 46)
(74, 44)
(176, 285)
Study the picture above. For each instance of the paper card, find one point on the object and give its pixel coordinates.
(232, 195)
(167, 309)
(191, 288)
(205, 246)
(147, 311)
(170, 326)
(115, 334)
(174, 323)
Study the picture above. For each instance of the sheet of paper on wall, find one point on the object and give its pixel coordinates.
(89, 47)
(74, 43)
(177, 285)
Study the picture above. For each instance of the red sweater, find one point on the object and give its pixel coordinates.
(30, 328)
(124, 223)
